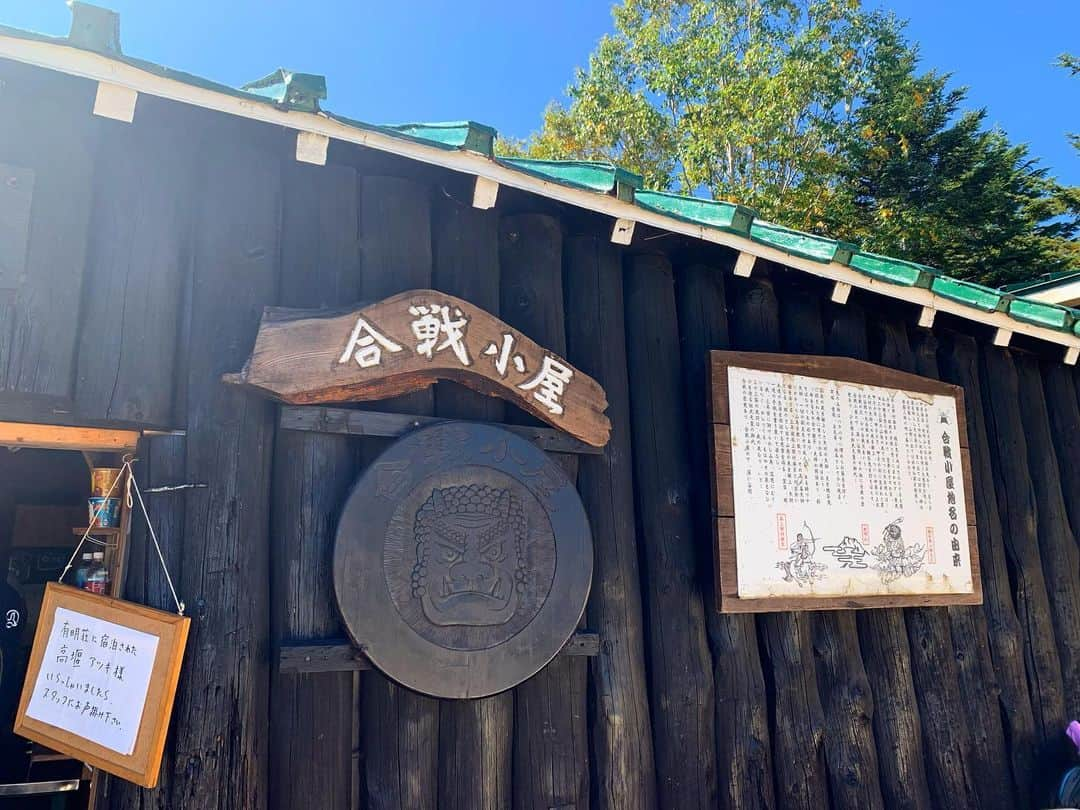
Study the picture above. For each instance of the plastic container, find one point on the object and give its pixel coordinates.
(84, 569)
(97, 580)
(104, 512)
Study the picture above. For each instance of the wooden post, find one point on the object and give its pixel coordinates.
(1017, 506)
(850, 755)
(466, 255)
(312, 715)
(959, 361)
(162, 463)
(884, 642)
(400, 728)
(1057, 541)
(136, 267)
(221, 756)
(681, 687)
(1062, 401)
(986, 748)
(798, 723)
(947, 741)
(744, 763)
(622, 747)
(551, 737)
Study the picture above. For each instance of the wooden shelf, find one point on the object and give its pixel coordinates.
(110, 531)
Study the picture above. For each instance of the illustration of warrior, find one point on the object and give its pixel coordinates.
(894, 559)
(800, 567)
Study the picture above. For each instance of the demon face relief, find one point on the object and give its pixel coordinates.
(463, 560)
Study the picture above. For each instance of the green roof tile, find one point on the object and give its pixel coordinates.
(299, 91)
(797, 243)
(713, 213)
(964, 292)
(1041, 314)
(587, 174)
(467, 135)
(894, 271)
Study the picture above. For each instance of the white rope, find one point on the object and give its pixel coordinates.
(132, 484)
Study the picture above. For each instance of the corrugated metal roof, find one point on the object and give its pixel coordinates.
(290, 91)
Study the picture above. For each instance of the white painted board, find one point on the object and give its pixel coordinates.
(94, 679)
(844, 489)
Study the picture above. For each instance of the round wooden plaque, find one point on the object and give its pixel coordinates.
(463, 560)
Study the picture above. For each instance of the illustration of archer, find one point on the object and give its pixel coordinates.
(800, 567)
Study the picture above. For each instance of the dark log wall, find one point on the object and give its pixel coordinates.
(153, 248)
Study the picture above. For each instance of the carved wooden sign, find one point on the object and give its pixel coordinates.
(463, 560)
(407, 342)
(839, 484)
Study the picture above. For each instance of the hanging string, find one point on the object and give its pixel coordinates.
(132, 485)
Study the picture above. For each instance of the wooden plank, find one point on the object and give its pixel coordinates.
(321, 419)
(681, 687)
(116, 102)
(339, 655)
(298, 359)
(465, 243)
(847, 703)
(950, 770)
(967, 647)
(1058, 548)
(798, 722)
(64, 437)
(623, 773)
(744, 766)
(1010, 699)
(161, 463)
(221, 707)
(136, 267)
(399, 729)
(16, 200)
(311, 724)
(551, 735)
(1017, 505)
(883, 642)
(45, 127)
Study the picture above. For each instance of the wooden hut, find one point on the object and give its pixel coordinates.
(147, 218)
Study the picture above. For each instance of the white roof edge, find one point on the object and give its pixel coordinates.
(90, 65)
(1060, 294)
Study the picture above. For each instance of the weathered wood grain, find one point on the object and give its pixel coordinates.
(222, 754)
(958, 359)
(744, 767)
(946, 742)
(136, 267)
(313, 715)
(850, 754)
(551, 737)
(1019, 516)
(1057, 542)
(986, 748)
(162, 463)
(46, 127)
(884, 642)
(1061, 384)
(623, 772)
(475, 736)
(680, 664)
(798, 722)
(399, 728)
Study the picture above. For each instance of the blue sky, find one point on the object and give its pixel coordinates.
(500, 63)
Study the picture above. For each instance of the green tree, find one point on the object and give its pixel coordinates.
(813, 112)
(926, 181)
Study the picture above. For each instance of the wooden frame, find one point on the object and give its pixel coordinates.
(723, 495)
(143, 764)
(64, 437)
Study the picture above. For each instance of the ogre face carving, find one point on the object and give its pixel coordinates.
(469, 556)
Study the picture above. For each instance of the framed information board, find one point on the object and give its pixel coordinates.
(101, 681)
(838, 484)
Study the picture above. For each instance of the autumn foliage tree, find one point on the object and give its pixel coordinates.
(814, 113)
